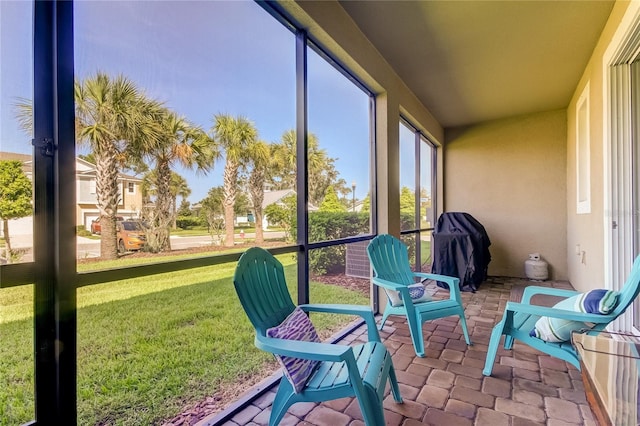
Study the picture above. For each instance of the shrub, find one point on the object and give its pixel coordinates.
(325, 226)
(81, 231)
(188, 222)
(407, 221)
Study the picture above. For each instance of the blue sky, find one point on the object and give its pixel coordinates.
(200, 59)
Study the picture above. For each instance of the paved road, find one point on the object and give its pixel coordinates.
(88, 247)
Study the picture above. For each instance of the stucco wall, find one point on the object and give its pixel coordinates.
(511, 176)
(588, 230)
(131, 202)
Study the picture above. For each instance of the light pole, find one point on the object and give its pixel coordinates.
(353, 195)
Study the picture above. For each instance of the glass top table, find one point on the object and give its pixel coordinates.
(610, 364)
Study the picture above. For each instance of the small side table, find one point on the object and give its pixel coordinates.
(610, 364)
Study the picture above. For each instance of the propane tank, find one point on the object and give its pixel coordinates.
(535, 268)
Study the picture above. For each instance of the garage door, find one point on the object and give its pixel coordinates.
(87, 220)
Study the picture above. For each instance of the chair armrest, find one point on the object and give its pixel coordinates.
(387, 284)
(531, 291)
(337, 308)
(304, 350)
(453, 282)
(363, 311)
(436, 277)
(557, 313)
(403, 289)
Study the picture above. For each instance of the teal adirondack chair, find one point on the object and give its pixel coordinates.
(344, 371)
(520, 318)
(390, 261)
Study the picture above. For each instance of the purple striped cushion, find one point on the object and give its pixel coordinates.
(296, 326)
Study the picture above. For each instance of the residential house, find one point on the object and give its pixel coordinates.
(86, 206)
(273, 197)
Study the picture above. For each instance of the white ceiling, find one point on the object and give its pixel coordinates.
(473, 61)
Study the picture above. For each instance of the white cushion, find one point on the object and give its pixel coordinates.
(416, 291)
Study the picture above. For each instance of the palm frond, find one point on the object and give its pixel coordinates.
(23, 111)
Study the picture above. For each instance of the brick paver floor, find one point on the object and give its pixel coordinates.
(447, 387)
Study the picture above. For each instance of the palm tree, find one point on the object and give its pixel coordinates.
(116, 120)
(283, 171)
(322, 175)
(234, 135)
(23, 112)
(321, 168)
(180, 142)
(179, 188)
(260, 158)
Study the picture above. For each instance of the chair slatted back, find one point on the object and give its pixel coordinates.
(390, 259)
(261, 287)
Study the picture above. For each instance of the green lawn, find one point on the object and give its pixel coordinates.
(147, 347)
(196, 231)
(425, 250)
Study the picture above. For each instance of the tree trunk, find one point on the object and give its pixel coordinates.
(230, 234)
(108, 195)
(7, 240)
(230, 180)
(149, 215)
(256, 188)
(163, 207)
(259, 230)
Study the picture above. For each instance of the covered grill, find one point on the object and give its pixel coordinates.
(461, 249)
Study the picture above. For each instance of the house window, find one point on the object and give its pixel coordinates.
(131, 187)
(583, 167)
(92, 186)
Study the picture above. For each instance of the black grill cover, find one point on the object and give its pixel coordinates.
(461, 249)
